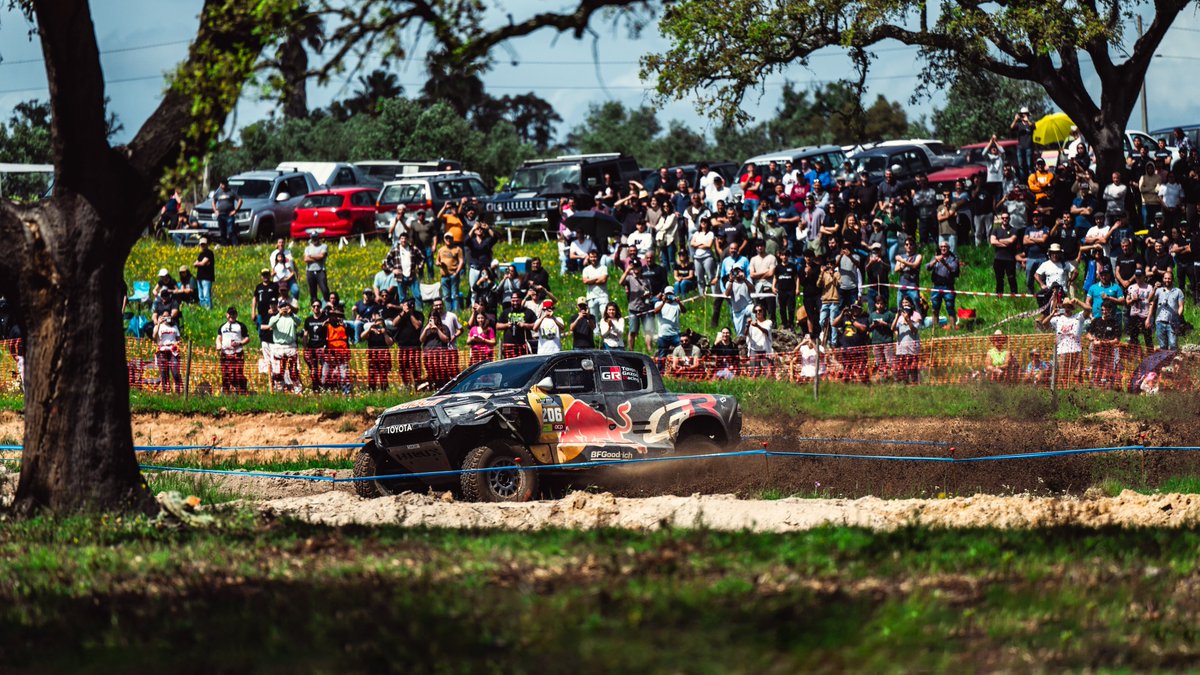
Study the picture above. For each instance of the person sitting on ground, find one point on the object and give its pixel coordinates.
(724, 355)
(685, 359)
(997, 360)
(1038, 369)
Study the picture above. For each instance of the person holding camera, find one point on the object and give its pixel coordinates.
(379, 357)
(1023, 127)
(548, 329)
(285, 373)
(583, 326)
(438, 340)
(166, 338)
(232, 338)
(944, 270)
(906, 329)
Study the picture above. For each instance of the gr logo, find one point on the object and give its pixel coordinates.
(611, 374)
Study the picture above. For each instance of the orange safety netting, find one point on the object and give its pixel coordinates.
(1012, 359)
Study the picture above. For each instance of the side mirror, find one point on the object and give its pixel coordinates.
(545, 384)
(282, 197)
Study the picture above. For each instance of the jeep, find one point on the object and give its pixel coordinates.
(499, 420)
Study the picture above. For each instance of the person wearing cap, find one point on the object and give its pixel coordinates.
(1035, 241)
(1023, 127)
(449, 259)
(283, 328)
(315, 255)
(165, 305)
(998, 359)
(264, 304)
(406, 332)
(548, 328)
(225, 203)
(583, 326)
(164, 281)
(1105, 289)
(185, 291)
(1105, 334)
(1038, 369)
(206, 273)
(450, 220)
(1068, 335)
(167, 338)
(1040, 183)
(669, 312)
(1055, 271)
(232, 338)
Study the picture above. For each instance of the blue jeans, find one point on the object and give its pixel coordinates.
(354, 330)
(740, 318)
(1024, 162)
(682, 287)
(204, 289)
(227, 228)
(668, 253)
(847, 297)
(1031, 265)
(450, 291)
(430, 265)
(829, 310)
(914, 296)
(939, 294)
(667, 344)
(1164, 333)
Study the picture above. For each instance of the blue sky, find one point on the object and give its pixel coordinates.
(141, 39)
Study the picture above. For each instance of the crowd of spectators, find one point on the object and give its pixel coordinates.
(821, 252)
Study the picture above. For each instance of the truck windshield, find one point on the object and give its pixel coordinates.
(512, 374)
(533, 177)
(874, 166)
(250, 188)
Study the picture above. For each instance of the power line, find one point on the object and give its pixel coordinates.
(116, 80)
(107, 51)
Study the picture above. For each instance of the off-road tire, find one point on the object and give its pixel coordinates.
(370, 462)
(696, 444)
(499, 486)
(266, 231)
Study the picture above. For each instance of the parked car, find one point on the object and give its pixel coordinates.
(333, 174)
(938, 152)
(428, 191)
(390, 169)
(568, 408)
(269, 201)
(335, 213)
(905, 161)
(830, 157)
(531, 200)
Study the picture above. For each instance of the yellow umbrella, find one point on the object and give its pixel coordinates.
(1053, 129)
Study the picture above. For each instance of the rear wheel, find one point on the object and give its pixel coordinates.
(505, 482)
(373, 462)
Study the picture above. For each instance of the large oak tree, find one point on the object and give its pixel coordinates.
(64, 256)
(721, 50)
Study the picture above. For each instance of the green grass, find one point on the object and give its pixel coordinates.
(225, 462)
(106, 594)
(186, 484)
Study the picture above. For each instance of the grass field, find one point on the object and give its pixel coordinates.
(105, 594)
(352, 269)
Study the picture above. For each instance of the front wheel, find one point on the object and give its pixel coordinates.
(504, 481)
(696, 444)
(372, 462)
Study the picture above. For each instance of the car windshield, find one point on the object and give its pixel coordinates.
(511, 374)
(404, 193)
(533, 177)
(318, 201)
(250, 189)
(873, 165)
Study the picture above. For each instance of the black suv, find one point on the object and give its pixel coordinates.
(561, 409)
(532, 198)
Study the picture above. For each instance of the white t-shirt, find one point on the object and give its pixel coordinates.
(995, 166)
(908, 340)
(699, 239)
(757, 339)
(668, 319)
(612, 331)
(1099, 231)
(580, 248)
(808, 361)
(643, 241)
(451, 323)
(550, 336)
(1054, 272)
(712, 195)
(595, 291)
(1068, 332)
(1114, 197)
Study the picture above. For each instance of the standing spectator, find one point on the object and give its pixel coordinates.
(1138, 297)
(283, 275)
(1004, 265)
(1104, 290)
(612, 328)
(385, 280)
(399, 224)
(538, 278)
(315, 341)
(669, 312)
(741, 296)
(786, 287)
(595, 278)
(638, 295)
(263, 304)
(877, 274)
(1126, 262)
(1022, 127)
(451, 223)
(379, 356)
(206, 273)
(166, 338)
(548, 329)
(1041, 184)
(852, 326)
(281, 247)
(283, 328)
(583, 326)
(1083, 212)
(406, 330)
(947, 219)
(944, 270)
(481, 338)
(232, 338)
(480, 243)
(1055, 272)
(1170, 196)
(908, 266)
(424, 236)
(762, 276)
(702, 244)
(168, 216)
(808, 279)
(515, 321)
(751, 184)
(1167, 309)
(438, 341)
(925, 200)
(315, 255)
(849, 277)
(1148, 184)
(1105, 332)
(993, 157)
(450, 264)
(880, 321)
(1185, 258)
(830, 299)
(1116, 194)
(906, 328)
(225, 203)
(1068, 336)
(759, 347)
(335, 364)
(1035, 240)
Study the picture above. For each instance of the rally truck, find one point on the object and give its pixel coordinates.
(562, 411)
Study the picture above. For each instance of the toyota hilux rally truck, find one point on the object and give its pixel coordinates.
(559, 409)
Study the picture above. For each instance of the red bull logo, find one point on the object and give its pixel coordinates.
(585, 426)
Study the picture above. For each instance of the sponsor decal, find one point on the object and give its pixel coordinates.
(552, 415)
(621, 374)
(393, 429)
(584, 426)
(611, 454)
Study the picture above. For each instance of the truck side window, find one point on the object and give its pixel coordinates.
(570, 377)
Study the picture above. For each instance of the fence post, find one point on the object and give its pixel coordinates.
(816, 375)
(1053, 365)
(187, 379)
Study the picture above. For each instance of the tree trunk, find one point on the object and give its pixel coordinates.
(1109, 146)
(78, 443)
(293, 67)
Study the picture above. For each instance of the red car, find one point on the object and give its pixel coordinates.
(970, 164)
(335, 213)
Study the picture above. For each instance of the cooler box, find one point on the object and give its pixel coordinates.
(521, 264)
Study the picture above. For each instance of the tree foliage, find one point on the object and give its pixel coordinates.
(979, 104)
(720, 51)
